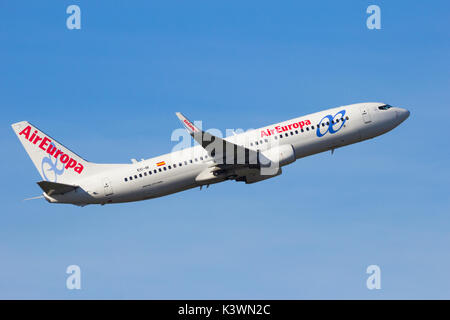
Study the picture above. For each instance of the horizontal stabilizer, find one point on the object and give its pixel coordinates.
(55, 188)
(33, 198)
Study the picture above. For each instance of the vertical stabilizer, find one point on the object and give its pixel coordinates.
(55, 162)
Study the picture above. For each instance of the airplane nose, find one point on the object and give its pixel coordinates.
(402, 114)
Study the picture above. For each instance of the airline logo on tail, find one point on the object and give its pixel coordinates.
(47, 162)
(47, 145)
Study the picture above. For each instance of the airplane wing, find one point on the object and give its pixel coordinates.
(55, 188)
(223, 152)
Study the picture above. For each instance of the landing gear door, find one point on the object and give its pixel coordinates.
(107, 187)
(365, 114)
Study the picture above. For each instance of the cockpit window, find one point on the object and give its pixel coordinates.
(385, 107)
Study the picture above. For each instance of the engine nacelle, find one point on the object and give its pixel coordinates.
(280, 155)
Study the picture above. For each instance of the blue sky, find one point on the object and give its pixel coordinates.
(109, 92)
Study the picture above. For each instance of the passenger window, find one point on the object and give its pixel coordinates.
(201, 158)
(256, 142)
(185, 163)
(312, 127)
(140, 175)
(190, 160)
(281, 136)
(170, 167)
(296, 131)
(126, 179)
(266, 140)
(286, 134)
(159, 170)
(135, 177)
(165, 169)
(150, 172)
(303, 130)
(180, 164)
(131, 178)
(292, 133)
(145, 173)
(307, 128)
(346, 118)
(154, 171)
(276, 137)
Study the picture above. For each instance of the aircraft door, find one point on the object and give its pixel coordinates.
(365, 114)
(107, 187)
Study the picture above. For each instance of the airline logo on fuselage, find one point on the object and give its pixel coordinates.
(48, 146)
(330, 123)
(281, 129)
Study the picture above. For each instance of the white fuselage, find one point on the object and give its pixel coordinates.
(181, 169)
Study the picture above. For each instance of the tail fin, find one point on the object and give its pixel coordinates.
(54, 162)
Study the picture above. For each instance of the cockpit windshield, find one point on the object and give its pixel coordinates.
(384, 107)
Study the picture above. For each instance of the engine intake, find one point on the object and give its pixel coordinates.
(280, 155)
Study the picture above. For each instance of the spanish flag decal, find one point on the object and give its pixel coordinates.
(159, 164)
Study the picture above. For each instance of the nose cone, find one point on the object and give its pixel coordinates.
(402, 114)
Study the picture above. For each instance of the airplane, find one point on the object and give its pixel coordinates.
(250, 157)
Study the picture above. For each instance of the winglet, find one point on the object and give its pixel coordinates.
(187, 124)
